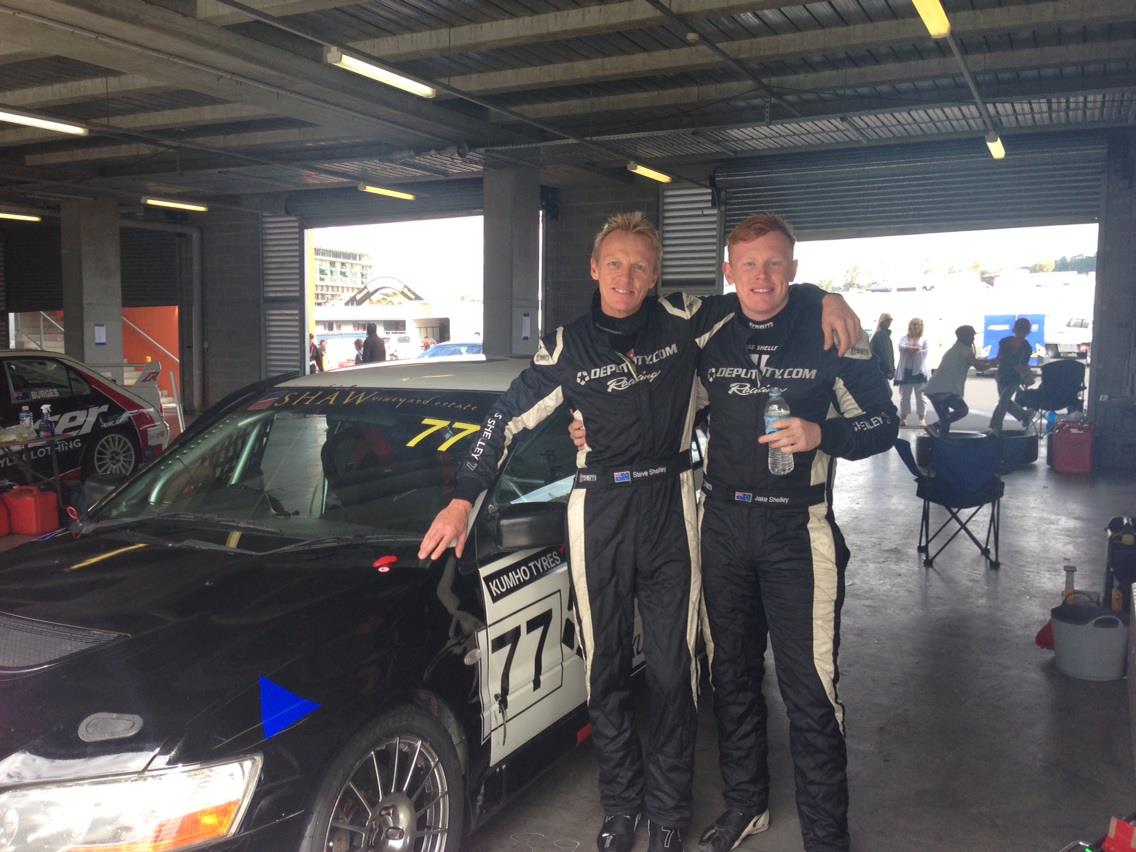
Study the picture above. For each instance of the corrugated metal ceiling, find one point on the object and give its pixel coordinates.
(1037, 75)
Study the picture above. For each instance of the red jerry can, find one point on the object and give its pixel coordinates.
(1073, 447)
(5, 527)
(31, 511)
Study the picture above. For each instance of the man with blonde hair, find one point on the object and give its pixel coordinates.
(628, 367)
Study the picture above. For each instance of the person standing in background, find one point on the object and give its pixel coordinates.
(910, 370)
(315, 359)
(358, 350)
(882, 348)
(374, 350)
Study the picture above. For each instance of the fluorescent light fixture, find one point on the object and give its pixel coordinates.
(648, 173)
(994, 143)
(336, 57)
(42, 123)
(175, 205)
(20, 217)
(382, 190)
(934, 18)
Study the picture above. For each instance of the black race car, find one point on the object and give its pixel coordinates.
(103, 428)
(240, 649)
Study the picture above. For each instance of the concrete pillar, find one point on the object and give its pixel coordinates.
(92, 280)
(512, 261)
(1114, 315)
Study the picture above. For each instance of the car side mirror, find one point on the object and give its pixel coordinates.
(521, 525)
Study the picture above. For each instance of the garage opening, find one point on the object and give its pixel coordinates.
(985, 279)
(419, 282)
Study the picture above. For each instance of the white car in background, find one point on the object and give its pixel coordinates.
(1071, 340)
(401, 346)
(470, 351)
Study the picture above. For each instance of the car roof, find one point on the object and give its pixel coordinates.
(490, 374)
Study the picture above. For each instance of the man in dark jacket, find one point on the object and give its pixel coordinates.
(882, 348)
(373, 347)
(773, 558)
(628, 367)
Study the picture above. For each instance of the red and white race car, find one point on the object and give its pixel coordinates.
(103, 427)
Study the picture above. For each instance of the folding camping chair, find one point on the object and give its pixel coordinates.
(961, 473)
(1062, 387)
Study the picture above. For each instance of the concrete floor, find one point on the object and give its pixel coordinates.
(961, 732)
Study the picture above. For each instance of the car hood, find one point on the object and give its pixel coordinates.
(149, 638)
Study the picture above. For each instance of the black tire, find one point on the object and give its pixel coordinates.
(429, 810)
(114, 452)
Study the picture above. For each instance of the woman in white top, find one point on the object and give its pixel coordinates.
(910, 369)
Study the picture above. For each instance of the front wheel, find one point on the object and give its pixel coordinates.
(396, 787)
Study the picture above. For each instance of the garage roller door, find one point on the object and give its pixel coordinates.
(282, 295)
(921, 188)
(691, 235)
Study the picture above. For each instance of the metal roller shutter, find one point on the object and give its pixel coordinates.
(4, 342)
(691, 232)
(921, 188)
(282, 295)
(32, 258)
(150, 268)
(323, 208)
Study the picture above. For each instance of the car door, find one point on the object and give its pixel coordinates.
(532, 670)
(46, 380)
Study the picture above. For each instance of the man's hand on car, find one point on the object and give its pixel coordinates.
(839, 324)
(450, 525)
(793, 435)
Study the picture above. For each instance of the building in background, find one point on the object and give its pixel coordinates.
(338, 274)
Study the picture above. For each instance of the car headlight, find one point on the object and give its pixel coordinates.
(160, 811)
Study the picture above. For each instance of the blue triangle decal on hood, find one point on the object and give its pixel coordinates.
(280, 709)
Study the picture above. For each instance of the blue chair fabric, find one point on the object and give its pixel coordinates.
(960, 474)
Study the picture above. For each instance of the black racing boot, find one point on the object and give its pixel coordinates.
(730, 829)
(617, 834)
(663, 838)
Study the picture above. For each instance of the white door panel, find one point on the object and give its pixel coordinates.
(529, 678)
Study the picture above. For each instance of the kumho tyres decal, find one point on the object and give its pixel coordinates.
(530, 672)
(513, 578)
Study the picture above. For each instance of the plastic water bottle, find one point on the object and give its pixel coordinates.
(26, 421)
(776, 409)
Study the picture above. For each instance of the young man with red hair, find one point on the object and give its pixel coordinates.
(773, 558)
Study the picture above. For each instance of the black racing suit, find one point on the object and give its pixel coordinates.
(773, 558)
(632, 527)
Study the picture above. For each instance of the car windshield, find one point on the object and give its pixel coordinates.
(315, 463)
